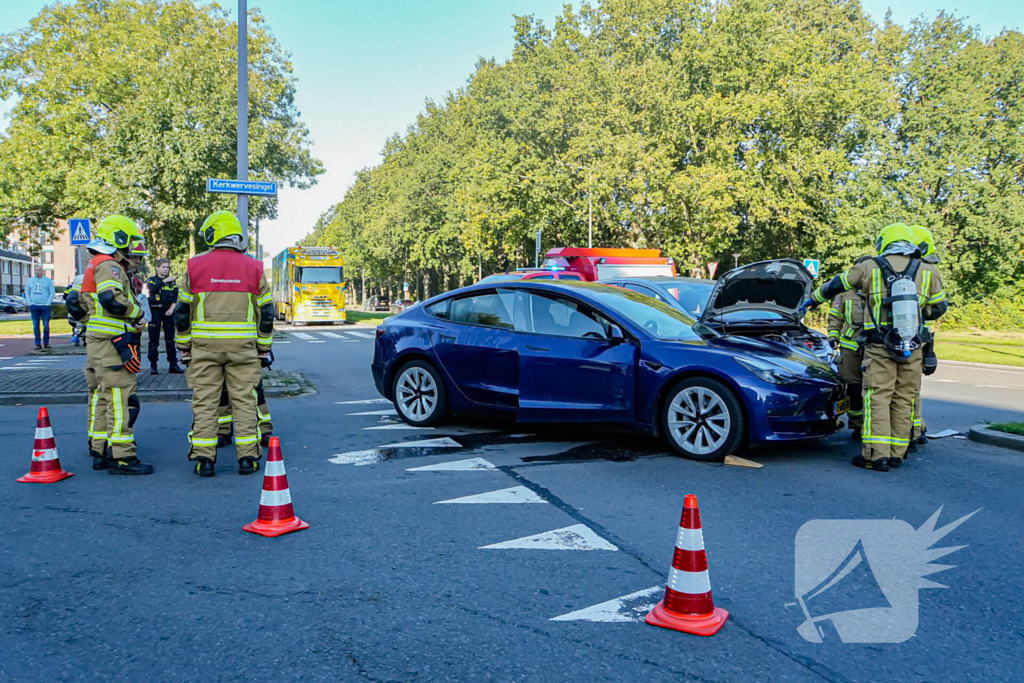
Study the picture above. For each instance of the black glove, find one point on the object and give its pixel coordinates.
(267, 360)
(931, 364)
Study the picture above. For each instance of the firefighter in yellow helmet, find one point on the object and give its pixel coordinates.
(224, 325)
(899, 290)
(109, 302)
(926, 244)
(845, 324)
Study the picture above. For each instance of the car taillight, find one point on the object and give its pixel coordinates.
(380, 331)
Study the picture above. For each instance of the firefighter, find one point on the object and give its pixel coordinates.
(926, 244)
(163, 294)
(115, 321)
(845, 321)
(225, 325)
(898, 290)
(96, 430)
(225, 419)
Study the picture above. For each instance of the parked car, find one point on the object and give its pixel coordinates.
(12, 304)
(377, 303)
(577, 352)
(401, 305)
(760, 300)
(531, 274)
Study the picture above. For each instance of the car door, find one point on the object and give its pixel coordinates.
(476, 347)
(568, 368)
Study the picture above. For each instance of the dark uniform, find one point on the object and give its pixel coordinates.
(845, 321)
(162, 298)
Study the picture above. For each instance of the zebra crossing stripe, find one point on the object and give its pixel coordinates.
(362, 335)
(302, 335)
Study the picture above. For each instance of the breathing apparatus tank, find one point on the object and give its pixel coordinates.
(905, 313)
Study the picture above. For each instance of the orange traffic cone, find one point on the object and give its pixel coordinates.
(276, 516)
(46, 467)
(688, 605)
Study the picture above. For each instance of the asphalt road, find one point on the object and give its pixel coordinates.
(116, 578)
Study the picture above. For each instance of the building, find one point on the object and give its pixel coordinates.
(51, 250)
(15, 270)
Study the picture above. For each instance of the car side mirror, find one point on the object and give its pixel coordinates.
(615, 335)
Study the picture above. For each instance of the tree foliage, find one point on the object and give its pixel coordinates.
(766, 128)
(127, 106)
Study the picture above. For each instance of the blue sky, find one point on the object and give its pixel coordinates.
(365, 68)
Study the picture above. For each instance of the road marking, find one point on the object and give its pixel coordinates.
(386, 411)
(441, 442)
(400, 425)
(365, 401)
(362, 335)
(992, 386)
(302, 335)
(5, 357)
(950, 381)
(357, 458)
(630, 608)
(576, 537)
(282, 342)
(470, 465)
(514, 495)
(332, 335)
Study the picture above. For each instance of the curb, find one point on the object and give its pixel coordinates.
(990, 437)
(982, 366)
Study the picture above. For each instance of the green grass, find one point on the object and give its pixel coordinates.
(372, 318)
(13, 327)
(1009, 427)
(998, 348)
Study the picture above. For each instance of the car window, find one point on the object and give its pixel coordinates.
(561, 317)
(439, 309)
(644, 290)
(493, 309)
(692, 297)
(543, 277)
(569, 276)
(657, 318)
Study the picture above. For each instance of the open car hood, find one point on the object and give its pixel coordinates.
(779, 286)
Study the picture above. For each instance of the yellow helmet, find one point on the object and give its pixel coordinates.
(119, 231)
(894, 232)
(219, 225)
(924, 240)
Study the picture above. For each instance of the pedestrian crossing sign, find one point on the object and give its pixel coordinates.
(812, 265)
(80, 229)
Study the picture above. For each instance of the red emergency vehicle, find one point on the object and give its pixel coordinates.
(604, 264)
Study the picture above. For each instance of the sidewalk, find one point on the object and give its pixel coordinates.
(30, 386)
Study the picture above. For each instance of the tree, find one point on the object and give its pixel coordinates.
(127, 106)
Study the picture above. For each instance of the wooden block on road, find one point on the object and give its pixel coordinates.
(741, 462)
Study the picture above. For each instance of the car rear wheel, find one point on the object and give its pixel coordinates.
(419, 394)
(702, 419)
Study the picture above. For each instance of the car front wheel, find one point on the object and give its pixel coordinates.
(702, 419)
(419, 394)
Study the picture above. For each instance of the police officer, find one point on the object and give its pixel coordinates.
(892, 364)
(225, 324)
(845, 321)
(115, 320)
(163, 294)
(926, 244)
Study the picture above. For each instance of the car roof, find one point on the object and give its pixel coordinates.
(663, 280)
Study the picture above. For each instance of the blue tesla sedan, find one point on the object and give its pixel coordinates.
(581, 352)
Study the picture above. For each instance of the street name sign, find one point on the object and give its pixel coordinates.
(813, 265)
(262, 188)
(80, 230)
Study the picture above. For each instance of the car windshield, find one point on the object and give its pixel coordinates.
(319, 275)
(657, 318)
(501, 277)
(692, 297)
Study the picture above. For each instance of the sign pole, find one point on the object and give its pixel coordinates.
(243, 114)
(536, 251)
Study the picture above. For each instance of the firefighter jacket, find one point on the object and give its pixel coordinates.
(846, 319)
(224, 302)
(161, 293)
(108, 298)
(868, 280)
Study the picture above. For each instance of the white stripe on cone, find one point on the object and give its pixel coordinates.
(275, 468)
(690, 539)
(44, 432)
(694, 583)
(48, 454)
(275, 498)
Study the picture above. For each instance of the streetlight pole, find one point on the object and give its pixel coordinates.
(243, 114)
(736, 259)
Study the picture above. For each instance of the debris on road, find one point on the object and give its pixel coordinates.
(737, 461)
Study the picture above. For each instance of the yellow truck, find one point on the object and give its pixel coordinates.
(309, 285)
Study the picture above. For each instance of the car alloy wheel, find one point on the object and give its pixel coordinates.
(419, 394)
(702, 419)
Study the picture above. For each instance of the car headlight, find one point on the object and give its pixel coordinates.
(769, 372)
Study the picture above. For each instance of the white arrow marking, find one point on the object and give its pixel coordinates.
(386, 411)
(357, 458)
(514, 495)
(627, 609)
(365, 401)
(470, 465)
(576, 537)
(441, 442)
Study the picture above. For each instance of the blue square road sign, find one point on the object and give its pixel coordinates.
(813, 265)
(80, 230)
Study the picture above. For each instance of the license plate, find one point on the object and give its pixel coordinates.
(842, 406)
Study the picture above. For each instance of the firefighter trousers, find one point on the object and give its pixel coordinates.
(889, 391)
(849, 371)
(225, 418)
(98, 405)
(117, 387)
(208, 373)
